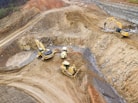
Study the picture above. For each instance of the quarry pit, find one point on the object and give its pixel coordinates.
(107, 62)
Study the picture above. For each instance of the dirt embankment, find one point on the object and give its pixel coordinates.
(127, 12)
(27, 12)
(15, 21)
(43, 5)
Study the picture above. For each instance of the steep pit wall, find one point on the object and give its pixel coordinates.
(129, 13)
(118, 62)
(15, 21)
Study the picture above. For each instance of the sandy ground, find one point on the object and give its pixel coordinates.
(44, 81)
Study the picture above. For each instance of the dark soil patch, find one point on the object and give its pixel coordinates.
(6, 53)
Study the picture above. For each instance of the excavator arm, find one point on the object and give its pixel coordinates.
(119, 24)
(40, 45)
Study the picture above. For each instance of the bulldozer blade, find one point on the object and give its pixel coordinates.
(76, 73)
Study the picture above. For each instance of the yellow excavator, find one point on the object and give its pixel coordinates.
(43, 52)
(118, 28)
(69, 70)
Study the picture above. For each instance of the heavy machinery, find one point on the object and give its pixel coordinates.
(63, 54)
(69, 70)
(43, 52)
(118, 27)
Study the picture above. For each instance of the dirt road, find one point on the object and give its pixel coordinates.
(20, 31)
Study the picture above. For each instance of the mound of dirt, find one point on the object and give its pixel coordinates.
(20, 59)
(27, 43)
(43, 5)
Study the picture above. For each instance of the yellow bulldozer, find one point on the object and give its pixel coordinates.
(118, 26)
(43, 52)
(69, 70)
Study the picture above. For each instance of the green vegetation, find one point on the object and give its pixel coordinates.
(9, 6)
(6, 11)
(133, 1)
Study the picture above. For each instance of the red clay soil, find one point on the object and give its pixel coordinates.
(95, 96)
(44, 4)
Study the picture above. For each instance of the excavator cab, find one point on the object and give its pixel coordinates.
(68, 70)
(43, 52)
(48, 54)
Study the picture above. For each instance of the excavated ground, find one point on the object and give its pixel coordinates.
(6, 95)
(116, 58)
(44, 81)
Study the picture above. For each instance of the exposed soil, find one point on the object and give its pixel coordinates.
(43, 5)
(80, 27)
(15, 21)
(41, 80)
(6, 95)
(6, 53)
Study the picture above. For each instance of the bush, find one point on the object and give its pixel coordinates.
(6, 3)
(9, 6)
(3, 13)
(133, 1)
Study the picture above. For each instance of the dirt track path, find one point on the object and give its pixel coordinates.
(27, 27)
(12, 36)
